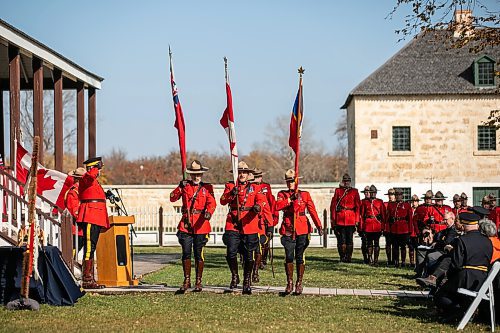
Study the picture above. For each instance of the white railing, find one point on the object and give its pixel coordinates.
(14, 208)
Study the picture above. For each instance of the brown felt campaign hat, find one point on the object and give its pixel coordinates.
(257, 172)
(456, 198)
(196, 167)
(391, 191)
(439, 196)
(366, 189)
(428, 195)
(77, 173)
(242, 166)
(290, 175)
(346, 178)
(373, 189)
(415, 198)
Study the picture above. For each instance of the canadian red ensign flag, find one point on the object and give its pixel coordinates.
(52, 184)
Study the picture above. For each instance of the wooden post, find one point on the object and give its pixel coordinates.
(160, 226)
(14, 98)
(67, 239)
(2, 134)
(38, 103)
(92, 122)
(80, 124)
(325, 228)
(58, 121)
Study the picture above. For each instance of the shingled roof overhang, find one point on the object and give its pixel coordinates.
(426, 66)
(29, 48)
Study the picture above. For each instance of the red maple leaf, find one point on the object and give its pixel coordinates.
(45, 183)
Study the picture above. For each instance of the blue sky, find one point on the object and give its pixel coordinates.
(338, 43)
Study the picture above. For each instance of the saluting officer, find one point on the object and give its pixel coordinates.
(400, 223)
(72, 203)
(373, 215)
(295, 229)
(198, 206)
(93, 216)
(242, 224)
(265, 188)
(438, 211)
(344, 212)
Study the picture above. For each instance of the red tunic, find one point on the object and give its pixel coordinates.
(344, 208)
(438, 213)
(265, 188)
(72, 203)
(92, 200)
(420, 217)
(372, 214)
(400, 218)
(302, 224)
(249, 195)
(266, 216)
(204, 202)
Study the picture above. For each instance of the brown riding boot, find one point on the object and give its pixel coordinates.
(349, 249)
(265, 253)
(289, 277)
(255, 274)
(300, 275)
(186, 267)
(88, 280)
(247, 275)
(233, 267)
(370, 255)
(403, 257)
(200, 264)
(376, 252)
(412, 257)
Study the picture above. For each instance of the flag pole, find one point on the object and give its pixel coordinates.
(234, 166)
(182, 145)
(297, 153)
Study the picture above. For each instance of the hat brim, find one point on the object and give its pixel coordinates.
(288, 178)
(75, 175)
(192, 171)
(243, 169)
(438, 198)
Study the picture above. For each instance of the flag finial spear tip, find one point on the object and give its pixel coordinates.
(301, 70)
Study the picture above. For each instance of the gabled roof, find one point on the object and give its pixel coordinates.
(426, 66)
(30, 47)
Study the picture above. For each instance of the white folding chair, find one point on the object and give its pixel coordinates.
(484, 293)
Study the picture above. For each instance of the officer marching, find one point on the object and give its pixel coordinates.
(245, 202)
(198, 206)
(295, 229)
(344, 212)
(92, 216)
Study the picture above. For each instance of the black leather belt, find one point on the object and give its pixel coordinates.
(194, 211)
(93, 200)
(344, 208)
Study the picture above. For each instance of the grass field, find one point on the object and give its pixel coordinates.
(323, 269)
(206, 312)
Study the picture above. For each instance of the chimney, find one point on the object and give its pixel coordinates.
(463, 23)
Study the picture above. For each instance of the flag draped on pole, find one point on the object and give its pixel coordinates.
(51, 184)
(227, 121)
(179, 117)
(296, 127)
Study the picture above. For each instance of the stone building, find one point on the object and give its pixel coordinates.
(417, 121)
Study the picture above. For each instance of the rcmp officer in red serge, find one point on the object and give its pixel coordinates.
(344, 210)
(400, 222)
(266, 220)
(373, 215)
(266, 190)
(295, 241)
(72, 203)
(194, 227)
(92, 216)
(438, 211)
(364, 249)
(243, 229)
(389, 239)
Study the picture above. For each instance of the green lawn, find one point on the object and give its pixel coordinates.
(206, 312)
(323, 269)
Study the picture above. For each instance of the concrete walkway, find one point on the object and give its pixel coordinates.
(315, 291)
(147, 263)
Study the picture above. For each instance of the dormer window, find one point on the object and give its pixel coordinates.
(484, 72)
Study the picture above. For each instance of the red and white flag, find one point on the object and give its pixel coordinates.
(52, 184)
(227, 121)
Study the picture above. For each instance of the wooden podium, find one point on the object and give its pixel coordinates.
(114, 266)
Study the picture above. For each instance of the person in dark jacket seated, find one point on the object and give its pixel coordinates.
(428, 258)
(470, 262)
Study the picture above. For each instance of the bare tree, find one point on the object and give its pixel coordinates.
(69, 119)
(428, 16)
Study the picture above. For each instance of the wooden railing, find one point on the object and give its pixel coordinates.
(55, 222)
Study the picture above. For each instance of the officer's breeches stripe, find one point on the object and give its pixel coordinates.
(87, 253)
